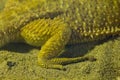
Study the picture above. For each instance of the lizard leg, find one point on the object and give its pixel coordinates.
(52, 49)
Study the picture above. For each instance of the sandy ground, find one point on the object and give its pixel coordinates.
(19, 62)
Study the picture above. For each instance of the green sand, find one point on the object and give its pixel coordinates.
(19, 62)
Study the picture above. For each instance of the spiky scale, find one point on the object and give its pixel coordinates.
(60, 22)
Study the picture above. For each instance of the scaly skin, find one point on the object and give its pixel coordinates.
(53, 24)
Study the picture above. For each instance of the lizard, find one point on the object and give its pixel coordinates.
(52, 24)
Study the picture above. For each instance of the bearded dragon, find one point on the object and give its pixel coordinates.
(52, 24)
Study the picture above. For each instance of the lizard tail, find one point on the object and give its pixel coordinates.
(3, 38)
(7, 34)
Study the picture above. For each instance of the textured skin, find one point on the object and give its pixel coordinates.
(54, 23)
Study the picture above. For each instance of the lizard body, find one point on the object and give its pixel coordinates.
(53, 24)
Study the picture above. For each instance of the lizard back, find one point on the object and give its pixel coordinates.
(92, 20)
(88, 19)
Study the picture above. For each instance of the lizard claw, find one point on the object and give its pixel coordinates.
(91, 58)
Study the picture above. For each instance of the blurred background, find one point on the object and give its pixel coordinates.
(2, 2)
